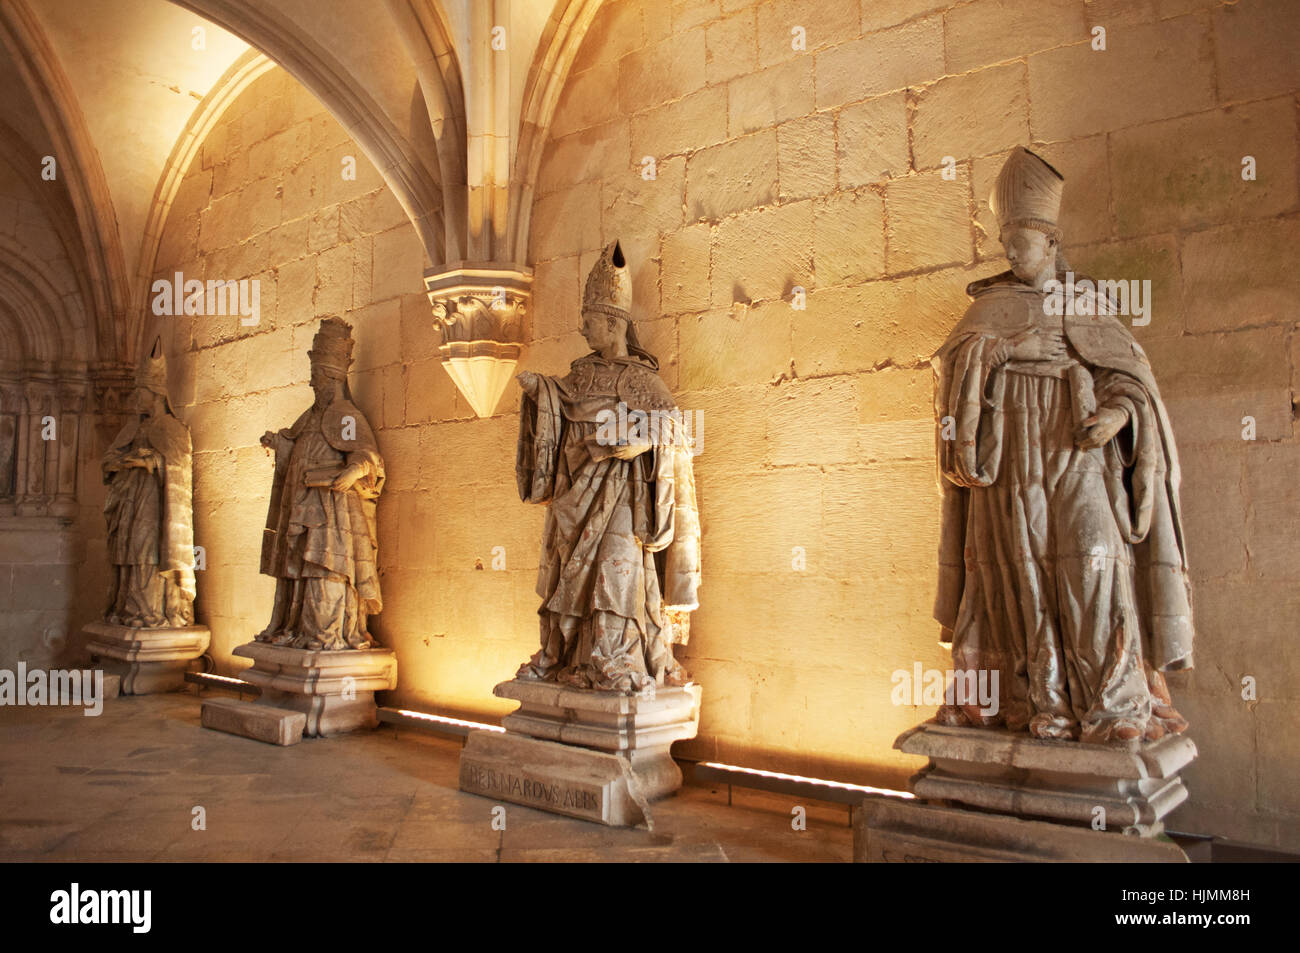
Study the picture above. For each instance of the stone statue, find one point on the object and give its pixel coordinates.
(320, 541)
(149, 509)
(1062, 563)
(620, 549)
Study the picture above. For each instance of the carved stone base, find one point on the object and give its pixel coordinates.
(1067, 781)
(276, 726)
(147, 660)
(601, 756)
(335, 690)
(891, 831)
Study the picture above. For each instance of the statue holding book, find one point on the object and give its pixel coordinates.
(320, 541)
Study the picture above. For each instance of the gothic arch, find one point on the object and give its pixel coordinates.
(81, 173)
(47, 334)
(556, 51)
(239, 77)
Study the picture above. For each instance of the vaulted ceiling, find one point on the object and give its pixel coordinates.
(450, 100)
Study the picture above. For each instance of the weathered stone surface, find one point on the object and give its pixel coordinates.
(1177, 81)
(1066, 781)
(335, 690)
(770, 97)
(1187, 172)
(276, 726)
(830, 22)
(690, 123)
(927, 221)
(945, 125)
(1234, 278)
(907, 55)
(990, 31)
(872, 141)
(663, 71)
(805, 156)
(848, 237)
(762, 254)
(888, 831)
(601, 756)
(146, 660)
(731, 46)
(685, 270)
(1255, 49)
(736, 175)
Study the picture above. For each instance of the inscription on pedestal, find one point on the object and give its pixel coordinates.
(586, 801)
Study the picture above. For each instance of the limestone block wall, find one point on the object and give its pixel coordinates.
(858, 170)
(818, 176)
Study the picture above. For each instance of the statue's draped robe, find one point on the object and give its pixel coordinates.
(149, 512)
(620, 548)
(321, 543)
(1063, 569)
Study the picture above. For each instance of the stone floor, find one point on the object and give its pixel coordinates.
(124, 787)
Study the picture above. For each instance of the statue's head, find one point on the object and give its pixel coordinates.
(148, 402)
(607, 300)
(151, 381)
(331, 356)
(1030, 252)
(1026, 202)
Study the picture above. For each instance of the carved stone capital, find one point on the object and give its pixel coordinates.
(482, 310)
(480, 302)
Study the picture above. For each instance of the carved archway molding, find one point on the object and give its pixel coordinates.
(79, 170)
(45, 383)
(556, 51)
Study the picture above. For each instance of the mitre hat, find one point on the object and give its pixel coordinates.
(151, 374)
(331, 348)
(1028, 193)
(609, 284)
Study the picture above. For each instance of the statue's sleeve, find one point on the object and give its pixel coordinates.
(541, 429)
(171, 440)
(1142, 482)
(968, 394)
(968, 411)
(681, 574)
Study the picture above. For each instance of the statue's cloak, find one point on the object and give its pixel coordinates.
(171, 440)
(340, 528)
(1142, 472)
(572, 576)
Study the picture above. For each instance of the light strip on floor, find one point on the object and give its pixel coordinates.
(459, 722)
(800, 779)
(201, 677)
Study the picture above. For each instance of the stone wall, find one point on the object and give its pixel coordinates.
(824, 169)
(51, 495)
(781, 174)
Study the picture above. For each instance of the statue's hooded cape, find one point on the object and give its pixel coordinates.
(170, 438)
(1142, 471)
(354, 558)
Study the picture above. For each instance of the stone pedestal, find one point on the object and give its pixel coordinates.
(147, 660)
(600, 756)
(995, 791)
(887, 831)
(334, 690)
